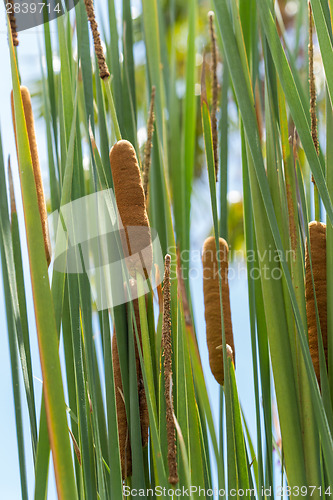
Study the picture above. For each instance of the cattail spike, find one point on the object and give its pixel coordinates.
(12, 21)
(123, 433)
(312, 85)
(215, 90)
(103, 67)
(143, 407)
(317, 233)
(29, 119)
(167, 354)
(212, 303)
(149, 143)
(130, 198)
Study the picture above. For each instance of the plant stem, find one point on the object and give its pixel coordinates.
(112, 108)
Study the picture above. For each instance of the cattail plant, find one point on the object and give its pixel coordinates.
(317, 233)
(104, 72)
(167, 354)
(12, 21)
(215, 90)
(313, 107)
(312, 85)
(29, 119)
(123, 431)
(144, 417)
(210, 259)
(132, 209)
(149, 143)
(195, 435)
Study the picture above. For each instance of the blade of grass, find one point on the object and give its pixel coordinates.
(15, 376)
(44, 311)
(243, 477)
(89, 482)
(294, 102)
(249, 239)
(329, 243)
(244, 100)
(113, 442)
(114, 60)
(190, 113)
(24, 325)
(231, 445)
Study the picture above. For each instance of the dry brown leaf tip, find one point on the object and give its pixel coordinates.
(30, 124)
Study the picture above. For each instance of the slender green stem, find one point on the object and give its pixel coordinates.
(112, 108)
(316, 202)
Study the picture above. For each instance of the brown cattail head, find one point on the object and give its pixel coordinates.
(215, 90)
(12, 21)
(123, 434)
(103, 67)
(149, 143)
(29, 119)
(167, 354)
(130, 199)
(212, 303)
(317, 232)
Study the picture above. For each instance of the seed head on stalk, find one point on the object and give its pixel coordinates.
(12, 21)
(149, 143)
(167, 354)
(103, 67)
(215, 90)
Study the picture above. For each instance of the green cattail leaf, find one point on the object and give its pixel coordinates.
(243, 478)
(11, 300)
(153, 47)
(58, 284)
(190, 120)
(113, 443)
(114, 61)
(329, 241)
(44, 310)
(294, 102)
(246, 108)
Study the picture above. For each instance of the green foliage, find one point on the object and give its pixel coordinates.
(260, 79)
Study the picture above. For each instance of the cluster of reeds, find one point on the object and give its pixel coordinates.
(134, 379)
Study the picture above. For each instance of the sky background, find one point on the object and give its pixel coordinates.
(29, 62)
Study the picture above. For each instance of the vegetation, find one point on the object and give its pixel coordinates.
(251, 56)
